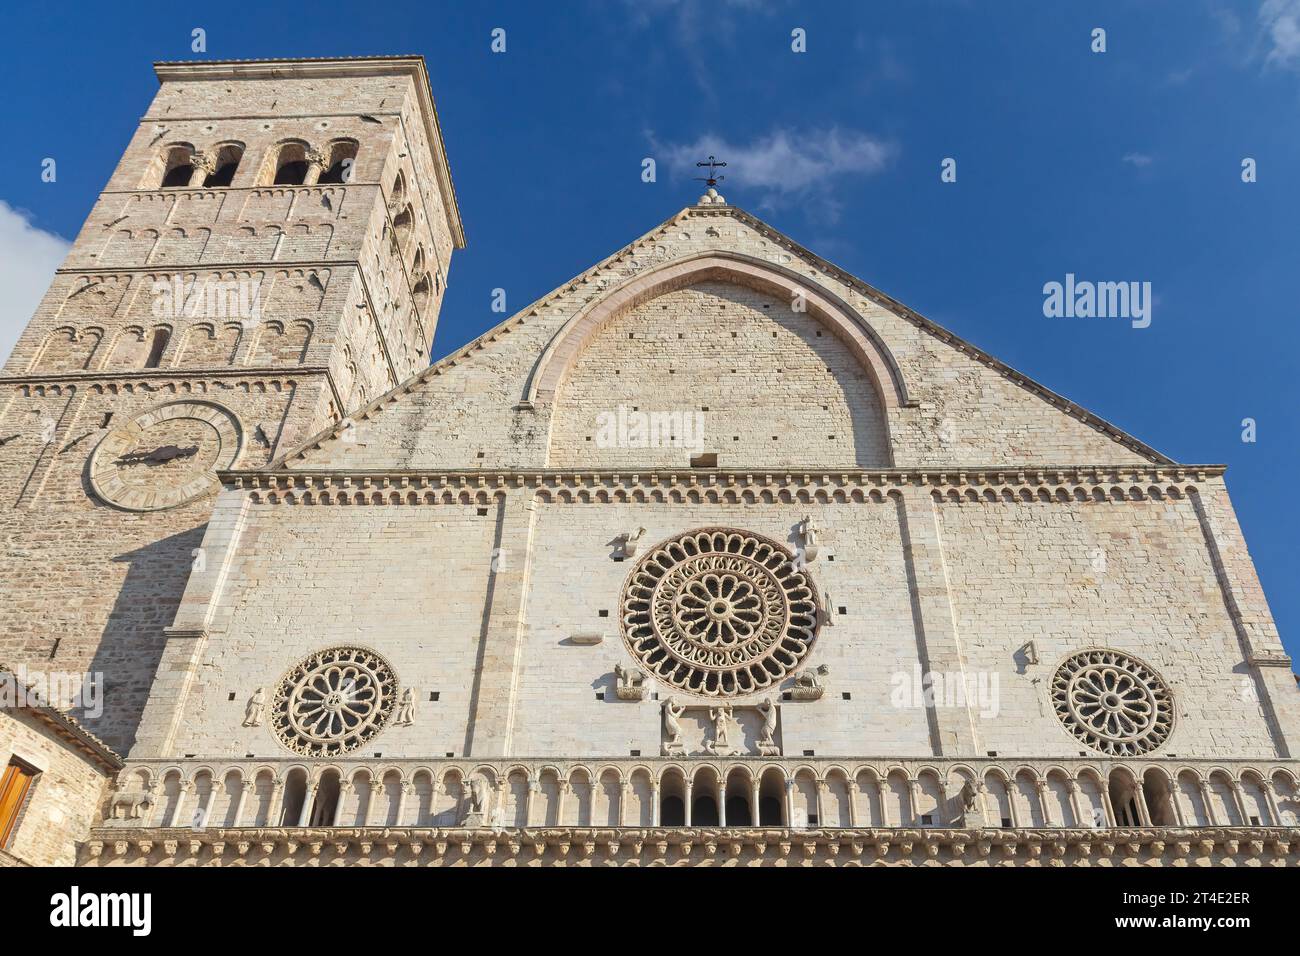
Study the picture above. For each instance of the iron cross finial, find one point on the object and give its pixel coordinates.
(713, 166)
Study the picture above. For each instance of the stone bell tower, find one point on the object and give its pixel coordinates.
(270, 254)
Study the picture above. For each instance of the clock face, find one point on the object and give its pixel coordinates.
(165, 457)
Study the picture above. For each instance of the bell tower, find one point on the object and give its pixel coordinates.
(270, 253)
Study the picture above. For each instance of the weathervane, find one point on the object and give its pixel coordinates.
(713, 166)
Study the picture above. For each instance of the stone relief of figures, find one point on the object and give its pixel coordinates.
(631, 682)
(672, 712)
(810, 684)
(721, 744)
(767, 745)
(405, 715)
(255, 708)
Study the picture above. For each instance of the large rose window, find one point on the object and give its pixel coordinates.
(1112, 702)
(333, 701)
(719, 612)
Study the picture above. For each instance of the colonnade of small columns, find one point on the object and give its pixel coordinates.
(670, 792)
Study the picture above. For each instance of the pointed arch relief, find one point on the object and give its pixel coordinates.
(833, 312)
(822, 388)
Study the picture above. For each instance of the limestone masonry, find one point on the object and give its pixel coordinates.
(715, 554)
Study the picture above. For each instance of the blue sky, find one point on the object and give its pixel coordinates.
(1122, 165)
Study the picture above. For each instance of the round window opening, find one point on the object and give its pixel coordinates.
(333, 701)
(1113, 702)
(719, 612)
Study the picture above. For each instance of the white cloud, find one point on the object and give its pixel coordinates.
(28, 258)
(785, 166)
(1280, 21)
(1140, 160)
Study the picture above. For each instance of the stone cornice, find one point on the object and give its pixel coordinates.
(693, 846)
(158, 374)
(1123, 479)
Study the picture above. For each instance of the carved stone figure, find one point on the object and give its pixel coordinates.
(766, 739)
(632, 541)
(130, 805)
(825, 613)
(809, 531)
(672, 712)
(631, 682)
(405, 709)
(721, 742)
(478, 795)
(255, 708)
(810, 684)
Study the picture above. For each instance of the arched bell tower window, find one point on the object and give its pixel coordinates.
(290, 167)
(178, 167)
(228, 157)
(341, 157)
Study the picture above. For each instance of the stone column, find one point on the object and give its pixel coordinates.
(914, 800)
(1075, 807)
(1040, 788)
(624, 798)
(1013, 805)
(1107, 805)
(722, 804)
(530, 802)
(1239, 802)
(1140, 798)
(203, 166)
(983, 790)
(654, 798)
(308, 798)
(375, 787)
(277, 801)
(941, 811)
(404, 794)
(755, 819)
(938, 644)
(854, 793)
(493, 698)
(1207, 798)
(1174, 803)
(336, 820)
(688, 788)
(182, 791)
(1270, 795)
(789, 803)
(245, 788)
(566, 791)
(882, 788)
(316, 164)
(821, 802)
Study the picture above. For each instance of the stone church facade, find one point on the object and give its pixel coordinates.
(713, 555)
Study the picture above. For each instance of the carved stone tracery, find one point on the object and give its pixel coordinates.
(1113, 702)
(719, 612)
(333, 701)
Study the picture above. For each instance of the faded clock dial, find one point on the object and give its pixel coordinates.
(165, 457)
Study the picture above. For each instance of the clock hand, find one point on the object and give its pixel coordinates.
(158, 456)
